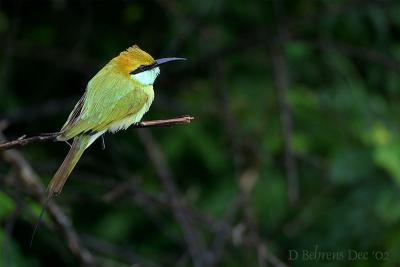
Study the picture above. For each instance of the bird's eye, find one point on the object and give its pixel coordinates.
(139, 69)
(142, 68)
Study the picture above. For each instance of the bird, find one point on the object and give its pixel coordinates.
(115, 98)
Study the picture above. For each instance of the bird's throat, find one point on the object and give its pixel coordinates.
(146, 77)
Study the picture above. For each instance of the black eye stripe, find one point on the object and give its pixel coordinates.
(142, 68)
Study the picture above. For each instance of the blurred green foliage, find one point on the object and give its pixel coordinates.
(343, 96)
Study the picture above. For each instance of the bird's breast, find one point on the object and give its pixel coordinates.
(134, 118)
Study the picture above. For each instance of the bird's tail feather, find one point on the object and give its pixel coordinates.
(78, 147)
(57, 182)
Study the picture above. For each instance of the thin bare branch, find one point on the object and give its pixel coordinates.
(281, 76)
(23, 141)
(111, 250)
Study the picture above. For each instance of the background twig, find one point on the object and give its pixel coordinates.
(191, 234)
(281, 75)
(31, 183)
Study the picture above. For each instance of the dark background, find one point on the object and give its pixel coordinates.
(294, 147)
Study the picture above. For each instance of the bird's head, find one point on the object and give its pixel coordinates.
(139, 65)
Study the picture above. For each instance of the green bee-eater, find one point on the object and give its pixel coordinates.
(115, 98)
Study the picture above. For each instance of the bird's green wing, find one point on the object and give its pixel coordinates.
(109, 98)
(74, 114)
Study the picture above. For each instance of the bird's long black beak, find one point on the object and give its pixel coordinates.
(162, 61)
(157, 63)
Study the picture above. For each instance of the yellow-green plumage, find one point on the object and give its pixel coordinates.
(113, 100)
